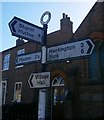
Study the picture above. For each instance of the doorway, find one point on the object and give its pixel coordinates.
(58, 96)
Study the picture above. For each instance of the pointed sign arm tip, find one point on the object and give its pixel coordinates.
(91, 46)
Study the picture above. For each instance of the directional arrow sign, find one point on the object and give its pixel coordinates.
(70, 50)
(23, 59)
(23, 29)
(39, 80)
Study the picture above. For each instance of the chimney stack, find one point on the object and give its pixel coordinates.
(19, 41)
(65, 24)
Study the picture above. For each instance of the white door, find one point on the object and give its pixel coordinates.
(41, 107)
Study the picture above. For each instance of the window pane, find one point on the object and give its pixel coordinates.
(58, 81)
(6, 58)
(17, 92)
(22, 51)
(4, 66)
(6, 62)
(55, 96)
(62, 81)
(55, 82)
(16, 87)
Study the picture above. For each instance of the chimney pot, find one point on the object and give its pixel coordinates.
(66, 16)
(63, 15)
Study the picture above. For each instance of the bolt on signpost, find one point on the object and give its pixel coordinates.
(42, 92)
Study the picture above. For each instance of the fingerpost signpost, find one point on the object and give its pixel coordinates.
(69, 51)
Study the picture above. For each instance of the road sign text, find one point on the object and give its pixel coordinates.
(70, 50)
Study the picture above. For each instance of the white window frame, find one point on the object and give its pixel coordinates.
(58, 79)
(14, 97)
(6, 62)
(21, 51)
(3, 99)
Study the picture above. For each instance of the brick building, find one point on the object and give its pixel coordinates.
(77, 85)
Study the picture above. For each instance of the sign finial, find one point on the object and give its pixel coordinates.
(49, 18)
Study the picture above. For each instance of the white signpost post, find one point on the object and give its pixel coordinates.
(23, 29)
(70, 50)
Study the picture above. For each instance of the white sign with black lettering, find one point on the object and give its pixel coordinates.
(39, 80)
(23, 29)
(70, 50)
(23, 59)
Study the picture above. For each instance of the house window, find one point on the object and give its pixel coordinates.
(58, 81)
(17, 91)
(6, 62)
(58, 90)
(20, 52)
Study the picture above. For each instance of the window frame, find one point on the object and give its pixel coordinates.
(15, 92)
(58, 79)
(20, 52)
(6, 62)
